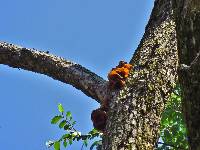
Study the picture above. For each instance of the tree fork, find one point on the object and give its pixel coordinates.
(135, 111)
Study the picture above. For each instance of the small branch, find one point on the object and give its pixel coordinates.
(55, 67)
(165, 144)
(196, 61)
(170, 145)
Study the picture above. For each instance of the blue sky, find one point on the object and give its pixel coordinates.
(94, 33)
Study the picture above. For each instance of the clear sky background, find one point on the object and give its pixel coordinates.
(94, 33)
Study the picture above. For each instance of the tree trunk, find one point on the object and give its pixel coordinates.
(135, 111)
(188, 37)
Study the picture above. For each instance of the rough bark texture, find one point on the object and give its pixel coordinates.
(188, 36)
(135, 111)
(55, 67)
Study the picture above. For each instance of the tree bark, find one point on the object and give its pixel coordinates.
(135, 111)
(56, 67)
(188, 36)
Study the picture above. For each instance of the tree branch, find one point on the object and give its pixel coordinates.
(56, 67)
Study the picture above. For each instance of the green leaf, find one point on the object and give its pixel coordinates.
(66, 136)
(62, 124)
(68, 114)
(73, 123)
(173, 129)
(60, 108)
(85, 142)
(65, 143)
(67, 127)
(56, 119)
(94, 131)
(70, 141)
(57, 145)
